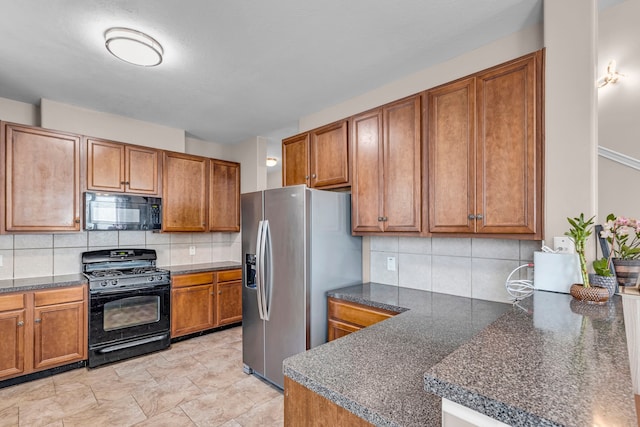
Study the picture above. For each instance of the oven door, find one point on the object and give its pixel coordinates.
(123, 314)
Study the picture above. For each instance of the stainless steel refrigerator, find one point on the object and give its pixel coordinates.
(296, 245)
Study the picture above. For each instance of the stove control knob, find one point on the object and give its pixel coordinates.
(150, 278)
(103, 283)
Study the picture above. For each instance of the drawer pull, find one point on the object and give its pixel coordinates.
(38, 320)
(21, 323)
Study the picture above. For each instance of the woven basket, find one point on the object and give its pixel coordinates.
(592, 294)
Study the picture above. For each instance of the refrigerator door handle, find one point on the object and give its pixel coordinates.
(259, 269)
(268, 296)
(263, 268)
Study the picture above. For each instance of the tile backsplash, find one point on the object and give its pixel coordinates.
(38, 255)
(476, 268)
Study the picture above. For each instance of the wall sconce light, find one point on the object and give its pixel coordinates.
(133, 47)
(612, 75)
(271, 161)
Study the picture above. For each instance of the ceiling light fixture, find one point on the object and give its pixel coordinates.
(272, 161)
(133, 47)
(612, 75)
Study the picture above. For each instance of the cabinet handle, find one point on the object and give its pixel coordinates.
(122, 182)
(219, 292)
(21, 323)
(479, 216)
(38, 320)
(77, 221)
(472, 216)
(380, 218)
(385, 219)
(306, 177)
(313, 175)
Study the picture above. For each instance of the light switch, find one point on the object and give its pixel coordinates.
(391, 263)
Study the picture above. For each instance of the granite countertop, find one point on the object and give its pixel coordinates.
(377, 373)
(35, 283)
(199, 268)
(553, 362)
(545, 362)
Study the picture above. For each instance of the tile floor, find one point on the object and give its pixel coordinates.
(197, 382)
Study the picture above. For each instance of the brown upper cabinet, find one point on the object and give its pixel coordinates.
(40, 173)
(122, 168)
(224, 196)
(386, 188)
(485, 151)
(318, 158)
(184, 192)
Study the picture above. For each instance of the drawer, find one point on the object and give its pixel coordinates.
(357, 314)
(192, 279)
(58, 296)
(11, 302)
(229, 275)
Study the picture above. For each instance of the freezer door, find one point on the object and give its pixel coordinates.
(252, 325)
(285, 331)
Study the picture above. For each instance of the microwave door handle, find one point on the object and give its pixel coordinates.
(269, 271)
(259, 270)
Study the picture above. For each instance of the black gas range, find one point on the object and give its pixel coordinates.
(130, 301)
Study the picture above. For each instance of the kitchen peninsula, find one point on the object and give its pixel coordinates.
(544, 362)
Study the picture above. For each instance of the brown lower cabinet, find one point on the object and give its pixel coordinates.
(42, 330)
(346, 317)
(304, 407)
(201, 301)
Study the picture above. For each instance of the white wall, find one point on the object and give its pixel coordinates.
(570, 30)
(252, 154)
(19, 112)
(65, 117)
(507, 48)
(619, 108)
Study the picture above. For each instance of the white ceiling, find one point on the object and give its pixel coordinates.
(234, 69)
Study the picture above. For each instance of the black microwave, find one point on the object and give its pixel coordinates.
(106, 211)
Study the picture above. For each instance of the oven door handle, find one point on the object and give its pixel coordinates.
(129, 289)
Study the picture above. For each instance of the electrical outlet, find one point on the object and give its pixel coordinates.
(391, 263)
(563, 245)
(192, 250)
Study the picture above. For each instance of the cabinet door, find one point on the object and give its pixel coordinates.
(295, 160)
(41, 179)
(59, 334)
(12, 350)
(367, 198)
(507, 153)
(402, 165)
(329, 158)
(141, 170)
(229, 303)
(451, 145)
(336, 329)
(184, 189)
(224, 196)
(192, 309)
(105, 165)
